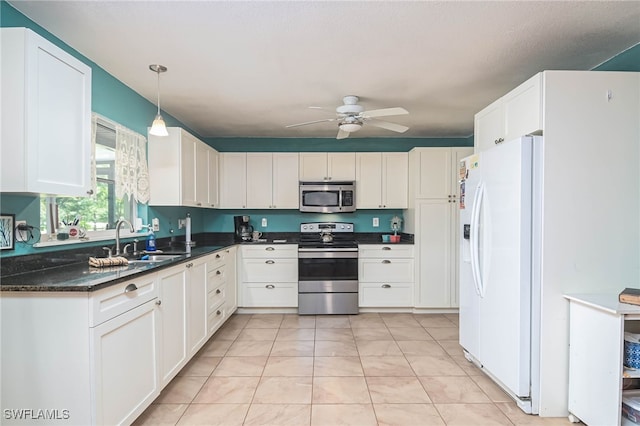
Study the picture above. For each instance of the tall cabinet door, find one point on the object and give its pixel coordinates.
(259, 174)
(285, 181)
(369, 180)
(233, 180)
(434, 177)
(212, 176)
(433, 232)
(197, 293)
(173, 338)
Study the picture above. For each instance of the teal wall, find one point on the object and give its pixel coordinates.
(114, 100)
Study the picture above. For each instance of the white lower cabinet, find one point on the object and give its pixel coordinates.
(102, 357)
(126, 348)
(269, 276)
(386, 275)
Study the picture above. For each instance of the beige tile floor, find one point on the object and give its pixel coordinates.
(367, 369)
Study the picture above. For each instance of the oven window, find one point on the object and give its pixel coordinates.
(323, 269)
(320, 198)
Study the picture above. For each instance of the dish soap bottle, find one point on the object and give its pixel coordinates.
(151, 241)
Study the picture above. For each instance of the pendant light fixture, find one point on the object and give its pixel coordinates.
(158, 128)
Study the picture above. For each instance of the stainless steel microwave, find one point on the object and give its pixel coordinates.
(328, 197)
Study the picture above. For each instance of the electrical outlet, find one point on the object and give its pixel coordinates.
(376, 222)
(182, 223)
(155, 224)
(264, 222)
(21, 235)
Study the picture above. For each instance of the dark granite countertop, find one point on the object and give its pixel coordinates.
(80, 277)
(70, 271)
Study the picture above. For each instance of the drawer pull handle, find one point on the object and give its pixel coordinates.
(131, 287)
(386, 285)
(158, 302)
(269, 262)
(270, 286)
(218, 312)
(386, 248)
(218, 291)
(269, 248)
(386, 261)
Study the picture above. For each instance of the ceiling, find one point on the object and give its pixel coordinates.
(249, 68)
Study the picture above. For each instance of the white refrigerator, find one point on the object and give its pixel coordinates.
(499, 301)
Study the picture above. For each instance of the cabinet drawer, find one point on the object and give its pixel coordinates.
(269, 251)
(215, 297)
(216, 318)
(114, 300)
(386, 294)
(270, 270)
(217, 258)
(270, 294)
(386, 270)
(385, 250)
(216, 277)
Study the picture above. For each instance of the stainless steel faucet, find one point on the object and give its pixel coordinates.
(118, 225)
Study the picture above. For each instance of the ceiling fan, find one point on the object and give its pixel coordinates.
(351, 117)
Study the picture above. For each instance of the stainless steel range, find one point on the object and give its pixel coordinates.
(327, 269)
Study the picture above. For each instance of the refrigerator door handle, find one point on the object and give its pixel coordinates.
(474, 241)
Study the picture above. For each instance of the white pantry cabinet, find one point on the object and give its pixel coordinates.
(273, 179)
(45, 142)
(180, 169)
(516, 114)
(382, 180)
(433, 219)
(269, 276)
(319, 166)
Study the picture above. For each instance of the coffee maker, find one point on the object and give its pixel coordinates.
(243, 228)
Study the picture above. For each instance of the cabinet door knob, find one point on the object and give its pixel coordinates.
(218, 312)
(218, 272)
(218, 291)
(131, 287)
(386, 261)
(269, 262)
(270, 286)
(217, 256)
(90, 192)
(386, 285)
(158, 302)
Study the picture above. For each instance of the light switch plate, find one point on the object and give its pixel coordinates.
(155, 224)
(376, 222)
(264, 222)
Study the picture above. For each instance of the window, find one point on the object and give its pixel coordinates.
(101, 211)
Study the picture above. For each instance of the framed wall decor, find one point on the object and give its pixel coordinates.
(7, 229)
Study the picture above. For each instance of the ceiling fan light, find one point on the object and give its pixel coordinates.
(350, 127)
(158, 128)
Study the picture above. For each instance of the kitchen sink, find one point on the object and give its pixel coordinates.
(155, 258)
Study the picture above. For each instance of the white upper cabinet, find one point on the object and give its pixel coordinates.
(320, 166)
(212, 194)
(233, 180)
(516, 114)
(259, 180)
(45, 145)
(180, 170)
(435, 172)
(381, 180)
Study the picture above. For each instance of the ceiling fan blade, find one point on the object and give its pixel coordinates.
(323, 109)
(311, 122)
(342, 134)
(384, 112)
(389, 126)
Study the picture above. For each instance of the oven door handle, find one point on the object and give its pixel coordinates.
(327, 254)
